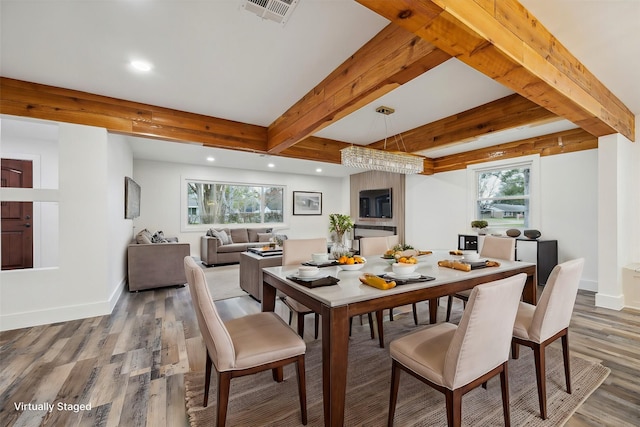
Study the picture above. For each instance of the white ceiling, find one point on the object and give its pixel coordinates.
(212, 57)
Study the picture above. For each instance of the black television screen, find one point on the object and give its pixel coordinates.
(376, 203)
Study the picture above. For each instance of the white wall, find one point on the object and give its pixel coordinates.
(161, 184)
(81, 285)
(119, 165)
(437, 209)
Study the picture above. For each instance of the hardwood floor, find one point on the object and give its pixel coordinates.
(127, 368)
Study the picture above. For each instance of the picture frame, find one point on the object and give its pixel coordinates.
(307, 203)
(131, 198)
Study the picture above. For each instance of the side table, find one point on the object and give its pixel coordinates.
(251, 265)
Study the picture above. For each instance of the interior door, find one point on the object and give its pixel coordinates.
(17, 217)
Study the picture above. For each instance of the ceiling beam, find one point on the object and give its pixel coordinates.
(390, 59)
(546, 145)
(506, 113)
(34, 100)
(502, 40)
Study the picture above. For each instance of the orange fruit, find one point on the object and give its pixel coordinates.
(350, 261)
(342, 259)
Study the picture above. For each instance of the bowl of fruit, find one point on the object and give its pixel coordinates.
(405, 266)
(355, 262)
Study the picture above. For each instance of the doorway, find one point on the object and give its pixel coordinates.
(17, 217)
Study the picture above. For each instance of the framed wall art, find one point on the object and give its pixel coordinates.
(307, 203)
(131, 198)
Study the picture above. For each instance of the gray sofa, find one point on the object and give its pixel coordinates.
(155, 265)
(218, 248)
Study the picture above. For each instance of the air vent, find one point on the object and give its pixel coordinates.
(274, 10)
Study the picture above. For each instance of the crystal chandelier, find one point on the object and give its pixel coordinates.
(388, 161)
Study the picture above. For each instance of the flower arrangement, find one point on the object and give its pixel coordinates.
(340, 224)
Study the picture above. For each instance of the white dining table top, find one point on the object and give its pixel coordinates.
(350, 290)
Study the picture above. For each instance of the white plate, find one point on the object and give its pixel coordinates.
(317, 276)
(403, 276)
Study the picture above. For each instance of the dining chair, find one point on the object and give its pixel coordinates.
(297, 251)
(539, 325)
(378, 246)
(493, 247)
(456, 359)
(243, 346)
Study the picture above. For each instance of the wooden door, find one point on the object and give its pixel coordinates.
(17, 217)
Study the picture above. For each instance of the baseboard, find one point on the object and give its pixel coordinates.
(53, 315)
(588, 285)
(614, 302)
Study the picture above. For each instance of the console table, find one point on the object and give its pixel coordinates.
(251, 265)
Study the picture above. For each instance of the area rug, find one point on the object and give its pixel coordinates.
(223, 281)
(259, 401)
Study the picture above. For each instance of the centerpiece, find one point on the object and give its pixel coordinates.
(340, 224)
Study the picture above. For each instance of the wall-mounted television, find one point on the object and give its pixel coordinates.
(376, 203)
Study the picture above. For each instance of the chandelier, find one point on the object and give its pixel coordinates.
(388, 161)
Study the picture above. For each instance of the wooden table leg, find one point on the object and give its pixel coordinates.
(335, 356)
(268, 297)
(433, 311)
(529, 292)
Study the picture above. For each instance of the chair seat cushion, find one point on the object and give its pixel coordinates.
(263, 338)
(523, 321)
(424, 351)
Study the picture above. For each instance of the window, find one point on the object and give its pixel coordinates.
(224, 203)
(503, 193)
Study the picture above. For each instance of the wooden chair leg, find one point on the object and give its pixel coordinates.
(565, 354)
(453, 399)
(393, 395)
(301, 325)
(539, 357)
(278, 374)
(317, 325)
(515, 350)
(224, 383)
(449, 304)
(370, 316)
(391, 314)
(207, 379)
(504, 385)
(415, 313)
(302, 388)
(379, 319)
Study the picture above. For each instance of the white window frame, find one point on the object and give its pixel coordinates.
(532, 162)
(184, 205)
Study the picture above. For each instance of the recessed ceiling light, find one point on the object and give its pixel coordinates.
(141, 65)
(210, 159)
(271, 165)
(318, 170)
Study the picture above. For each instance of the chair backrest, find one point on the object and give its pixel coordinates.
(554, 309)
(392, 241)
(482, 340)
(296, 251)
(373, 245)
(499, 247)
(214, 332)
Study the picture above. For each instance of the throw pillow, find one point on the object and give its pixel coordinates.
(221, 236)
(158, 237)
(264, 237)
(143, 237)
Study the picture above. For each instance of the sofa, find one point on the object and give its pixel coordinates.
(156, 264)
(224, 245)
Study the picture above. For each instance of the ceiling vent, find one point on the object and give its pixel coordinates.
(274, 10)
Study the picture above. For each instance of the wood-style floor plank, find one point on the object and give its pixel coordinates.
(129, 366)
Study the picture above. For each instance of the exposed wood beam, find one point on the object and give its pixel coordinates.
(317, 149)
(506, 113)
(504, 41)
(546, 145)
(34, 100)
(393, 57)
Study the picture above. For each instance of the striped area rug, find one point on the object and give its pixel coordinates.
(259, 401)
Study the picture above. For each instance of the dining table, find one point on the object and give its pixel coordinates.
(337, 303)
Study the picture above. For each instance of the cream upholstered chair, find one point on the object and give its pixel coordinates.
(243, 346)
(493, 247)
(456, 359)
(539, 325)
(378, 246)
(297, 251)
